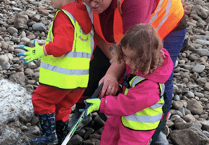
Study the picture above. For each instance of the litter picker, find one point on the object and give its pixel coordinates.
(74, 128)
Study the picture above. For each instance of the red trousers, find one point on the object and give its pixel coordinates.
(48, 99)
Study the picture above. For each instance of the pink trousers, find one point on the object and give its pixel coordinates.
(114, 133)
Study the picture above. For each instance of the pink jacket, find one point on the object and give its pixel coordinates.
(143, 95)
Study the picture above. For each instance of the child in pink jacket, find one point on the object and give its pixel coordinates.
(136, 113)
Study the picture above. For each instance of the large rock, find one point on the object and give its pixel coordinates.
(188, 137)
(18, 77)
(21, 21)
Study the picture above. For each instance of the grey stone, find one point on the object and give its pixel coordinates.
(189, 118)
(4, 45)
(202, 52)
(5, 65)
(30, 13)
(206, 86)
(190, 94)
(76, 140)
(39, 27)
(195, 107)
(198, 68)
(24, 39)
(21, 21)
(206, 133)
(88, 132)
(19, 78)
(12, 30)
(177, 104)
(201, 11)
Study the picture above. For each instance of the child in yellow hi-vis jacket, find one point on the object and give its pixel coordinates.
(64, 69)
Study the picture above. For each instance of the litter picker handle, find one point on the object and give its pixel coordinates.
(75, 126)
(95, 94)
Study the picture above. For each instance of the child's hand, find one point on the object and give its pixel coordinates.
(95, 104)
(32, 53)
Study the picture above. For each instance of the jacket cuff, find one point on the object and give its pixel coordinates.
(47, 49)
(102, 105)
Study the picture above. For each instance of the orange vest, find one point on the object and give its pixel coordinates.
(164, 19)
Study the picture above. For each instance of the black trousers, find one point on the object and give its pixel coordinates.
(98, 68)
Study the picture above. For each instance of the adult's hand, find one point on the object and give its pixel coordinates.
(114, 72)
(110, 86)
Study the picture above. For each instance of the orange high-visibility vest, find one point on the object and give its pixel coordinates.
(164, 19)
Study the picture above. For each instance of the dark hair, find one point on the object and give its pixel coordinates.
(144, 40)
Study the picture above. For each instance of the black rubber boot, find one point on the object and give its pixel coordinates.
(62, 131)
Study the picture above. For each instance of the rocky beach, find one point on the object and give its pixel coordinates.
(23, 21)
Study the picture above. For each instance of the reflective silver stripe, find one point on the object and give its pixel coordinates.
(144, 119)
(70, 16)
(90, 12)
(50, 39)
(50, 24)
(166, 15)
(163, 89)
(78, 54)
(154, 17)
(119, 1)
(92, 40)
(167, 8)
(157, 105)
(49, 33)
(136, 80)
(63, 70)
(74, 21)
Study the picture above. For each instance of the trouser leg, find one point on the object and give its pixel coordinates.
(173, 44)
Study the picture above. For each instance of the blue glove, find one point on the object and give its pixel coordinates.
(32, 53)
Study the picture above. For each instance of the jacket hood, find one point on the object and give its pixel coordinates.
(79, 12)
(162, 73)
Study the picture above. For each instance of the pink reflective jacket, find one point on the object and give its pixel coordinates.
(141, 96)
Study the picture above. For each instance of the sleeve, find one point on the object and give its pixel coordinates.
(136, 11)
(138, 98)
(63, 32)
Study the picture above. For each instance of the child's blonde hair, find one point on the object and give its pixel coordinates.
(144, 40)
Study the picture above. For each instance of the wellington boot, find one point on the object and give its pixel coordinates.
(48, 133)
(62, 131)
